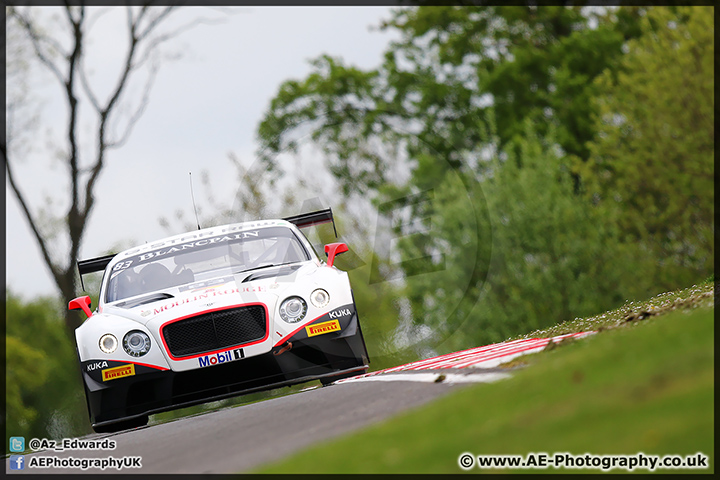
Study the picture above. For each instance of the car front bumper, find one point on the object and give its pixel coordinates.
(336, 355)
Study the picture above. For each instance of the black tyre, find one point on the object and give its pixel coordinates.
(327, 381)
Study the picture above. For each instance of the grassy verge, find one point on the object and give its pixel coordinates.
(640, 385)
(697, 296)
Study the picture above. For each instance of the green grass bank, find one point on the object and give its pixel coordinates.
(644, 383)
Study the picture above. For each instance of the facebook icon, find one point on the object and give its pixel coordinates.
(17, 462)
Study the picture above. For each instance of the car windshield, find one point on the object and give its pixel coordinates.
(182, 262)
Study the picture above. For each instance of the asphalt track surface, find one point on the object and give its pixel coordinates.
(238, 439)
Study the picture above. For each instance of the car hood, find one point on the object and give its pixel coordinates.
(257, 286)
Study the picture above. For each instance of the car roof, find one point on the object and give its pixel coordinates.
(203, 233)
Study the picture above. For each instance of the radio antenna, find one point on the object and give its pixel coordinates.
(193, 201)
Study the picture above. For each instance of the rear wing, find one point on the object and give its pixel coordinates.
(313, 218)
(93, 265)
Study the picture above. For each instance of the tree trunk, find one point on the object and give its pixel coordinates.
(66, 284)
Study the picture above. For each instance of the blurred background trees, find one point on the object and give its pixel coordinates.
(584, 137)
(526, 165)
(44, 396)
(655, 146)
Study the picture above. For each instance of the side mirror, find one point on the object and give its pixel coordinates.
(334, 249)
(81, 303)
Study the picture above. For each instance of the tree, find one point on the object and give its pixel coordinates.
(438, 82)
(536, 255)
(44, 391)
(556, 256)
(454, 93)
(64, 59)
(654, 156)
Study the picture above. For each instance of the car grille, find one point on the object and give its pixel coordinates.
(215, 330)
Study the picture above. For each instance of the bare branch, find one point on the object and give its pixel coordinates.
(75, 219)
(105, 112)
(36, 39)
(71, 19)
(54, 269)
(154, 22)
(122, 83)
(138, 112)
(91, 21)
(83, 77)
(68, 65)
(130, 22)
(44, 38)
(135, 40)
(86, 88)
(156, 41)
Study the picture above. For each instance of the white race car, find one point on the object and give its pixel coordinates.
(215, 313)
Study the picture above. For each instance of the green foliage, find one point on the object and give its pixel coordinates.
(439, 80)
(535, 63)
(654, 155)
(647, 388)
(25, 374)
(447, 260)
(551, 254)
(44, 391)
(555, 254)
(492, 111)
(378, 310)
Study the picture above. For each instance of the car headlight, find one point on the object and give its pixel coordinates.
(108, 343)
(293, 309)
(320, 298)
(136, 343)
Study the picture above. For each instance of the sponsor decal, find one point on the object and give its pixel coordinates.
(208, 294)
(256, 288)
(118, 372)
(221, 357)
(190, 245)
(207, 285)
(94, 366)
(320, 328)
(339, 313)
